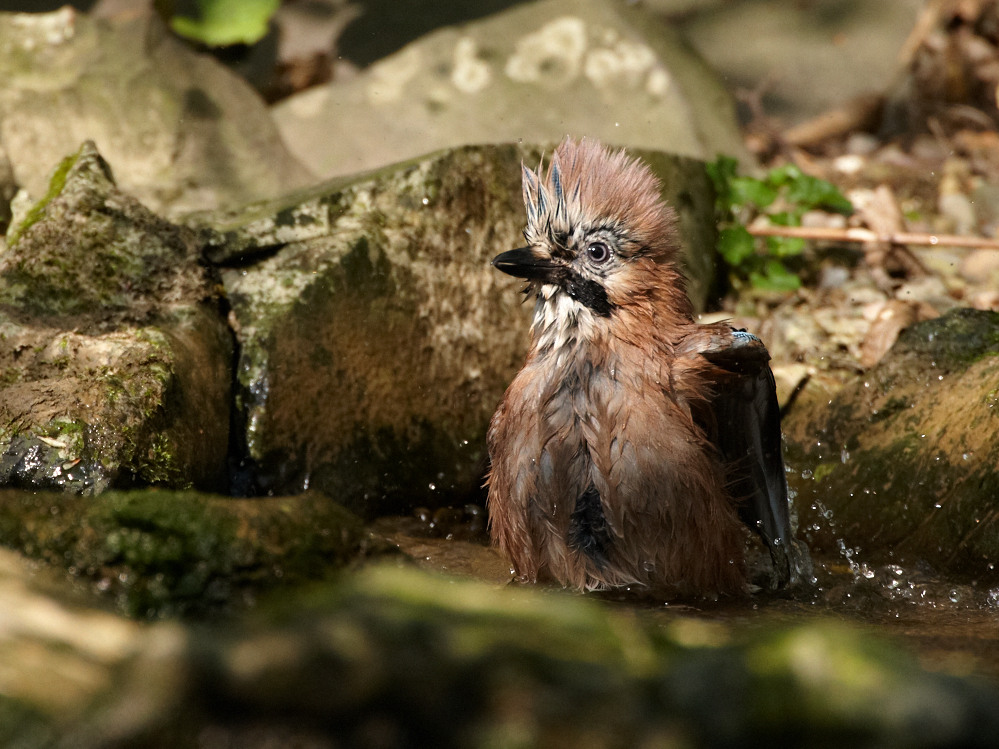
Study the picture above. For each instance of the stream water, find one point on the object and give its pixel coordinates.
(948, 626)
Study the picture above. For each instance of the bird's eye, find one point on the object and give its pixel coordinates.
(598, 253)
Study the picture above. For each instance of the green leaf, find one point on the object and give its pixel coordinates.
(782, 175)
(220, 23)
(785, 218)
(736, 245)
(749, 191)
(721, 173)
(785, 246)
(775, 277)
(812, 192)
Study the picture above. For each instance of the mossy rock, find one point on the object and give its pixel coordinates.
(116, 360)
(376, 340)
(157, 553)
(902, 463)
(396, 657)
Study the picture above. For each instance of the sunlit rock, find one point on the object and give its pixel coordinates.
(183, 131)
(903, 462)
(115, 363)
(375, 339)
(531, 73)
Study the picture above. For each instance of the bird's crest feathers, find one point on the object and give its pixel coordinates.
(587, 184)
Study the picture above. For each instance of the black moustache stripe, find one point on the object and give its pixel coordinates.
(587, 292)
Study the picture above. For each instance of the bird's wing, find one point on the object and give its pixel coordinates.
(746, 430)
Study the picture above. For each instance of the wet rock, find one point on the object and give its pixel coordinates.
(531, 73)
(399, 658)
(157, 553)
(115, 363)
(375, 338)
(902, 463)
(183, 132)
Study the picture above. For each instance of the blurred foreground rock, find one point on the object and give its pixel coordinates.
(904, 461)
(395, 657)
(375, 338)
(157, 553)
(529, 74)
(115, 361)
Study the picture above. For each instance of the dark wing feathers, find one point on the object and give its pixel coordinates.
(747, 433)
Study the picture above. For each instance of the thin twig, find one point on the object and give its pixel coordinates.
(866, 235)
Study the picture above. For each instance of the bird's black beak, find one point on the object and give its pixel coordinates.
(523, 263)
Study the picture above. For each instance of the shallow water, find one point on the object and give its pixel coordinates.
(949, 627)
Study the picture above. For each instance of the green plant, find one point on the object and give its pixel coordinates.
(782, 195)
(219, 23)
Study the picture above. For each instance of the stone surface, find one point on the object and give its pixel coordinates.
(394, 657)
(116, 362)
(803, 58)
(183, 132)
(57, 653)
(375, 338)
(902, 463)
(155, 553)
(532, 73)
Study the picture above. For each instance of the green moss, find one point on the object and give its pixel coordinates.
(71, 432)
(158, 463)
(158, 553)
(25, 726)
(37, 211)
(822, 470)
(955, 340)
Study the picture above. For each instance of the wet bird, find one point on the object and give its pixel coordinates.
(635, 444)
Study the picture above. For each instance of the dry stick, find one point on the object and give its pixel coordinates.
(866, 235)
